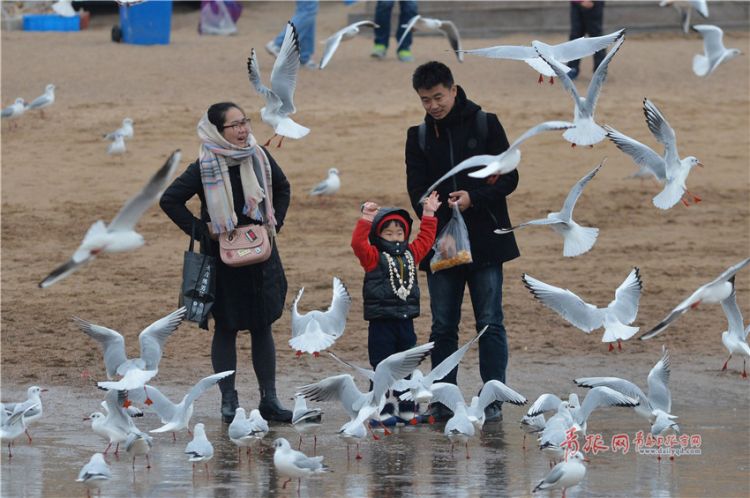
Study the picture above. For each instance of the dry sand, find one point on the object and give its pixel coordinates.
(57, 179)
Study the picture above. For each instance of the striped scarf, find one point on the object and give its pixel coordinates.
(217, 155)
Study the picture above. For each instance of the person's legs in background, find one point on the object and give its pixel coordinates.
(593, 19)
(446, 294)
(407, 10)
(304, 20)
(223, 358)
(383, 10)
(576, 31)
(264, 364)
(486, 290)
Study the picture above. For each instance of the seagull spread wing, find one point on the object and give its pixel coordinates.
(566, 212)
(396, 367)
(544, 403)
(451, 31)
(285, 69)
(494, 390)
(132, 211)
(600, 76)
(535, 130)
(627, 297)
(447, 365)
(153, 337)
(447, 394)
(407, 28)
(572, 308)
(620, 385)
(713, 44)
(273, 102)
(202, 386)
(471, 162)
(512, 52)
(600, 397)
(641, 154)
(337, 387)
(663, 133)
(112, 342)
(658, 378)
(735, 325)
(583, 47)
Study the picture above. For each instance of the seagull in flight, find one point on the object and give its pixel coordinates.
(501, 164)
(563, 52)
(347, 33)
(280, 97)
(714, 51)
(119, 235)
(448, 28)
(315, 331)
(587, 317)
(586, 131)
(657, 406)
(576, 239)
(669, 168)
(735, 337)
(715, 291)
(137, 371)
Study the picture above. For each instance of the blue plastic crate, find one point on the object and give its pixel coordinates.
(146, 23)
(51, 22)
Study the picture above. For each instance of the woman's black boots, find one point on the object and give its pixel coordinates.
(270, 408)
(229, 405)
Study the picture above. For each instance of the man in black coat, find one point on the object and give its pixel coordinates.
(454, 129)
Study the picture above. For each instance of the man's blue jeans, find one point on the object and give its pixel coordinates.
(383, 9)
(486, 291)
(305, 13)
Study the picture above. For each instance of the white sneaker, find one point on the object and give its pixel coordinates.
(311, 64)
(272, 48)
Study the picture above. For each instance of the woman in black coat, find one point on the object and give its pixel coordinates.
(232, 178)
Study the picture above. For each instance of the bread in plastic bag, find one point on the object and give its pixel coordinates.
(452, 244)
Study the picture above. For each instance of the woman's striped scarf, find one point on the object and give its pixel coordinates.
(217, 155)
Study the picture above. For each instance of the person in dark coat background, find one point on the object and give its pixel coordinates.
(454, 129)
(247, 297)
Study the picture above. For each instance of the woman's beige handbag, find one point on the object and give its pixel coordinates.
(245, 245)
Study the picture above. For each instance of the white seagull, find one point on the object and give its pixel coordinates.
(119, 235)
(714, 51)
(586, 131)
(419, 387)
(563, 52)
(107, 429)
(33, 398)
(347, 33)
(735, 337)
(685, 13)
(330, 185)
(463, 424)
(615, 318)
(564, 475)
(292, 463)
(135, 372)
(577, 240)
(501, 164)
(117, 146)
(532, 425)
(176, 416)
(280, 97)
(675, 170)
(306, 420)
(449, 29)
(246, 431)
(12, 424)
(353, 432)
(200, 448)
(126, 130)
(118, 422)
(713, 292)
(14, 110)
(44, 100)
(657, 406)
(95, 473)
(315, 331)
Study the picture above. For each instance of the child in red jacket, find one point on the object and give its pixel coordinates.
(391, 294)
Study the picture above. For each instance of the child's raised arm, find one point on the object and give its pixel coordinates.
(365, 252)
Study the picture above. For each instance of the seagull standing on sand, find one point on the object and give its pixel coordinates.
(713, 292)
(95, 473)
(563, 52)
(615, 318)
(200, 448)
(586, 131)
(329, 186)
(315, 331)
(44, 100)
(577, 240)
(137, 371)
(449, 29)
(14, 110)
(280, 97)
(126, 130)
(657, 406)
(564, 475)
(670, 168)
(347, 33)
(119, 235)
(501, 164)
(292, 463)
(714, 51)
(117, 146)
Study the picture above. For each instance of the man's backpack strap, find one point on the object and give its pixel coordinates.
(481, 118)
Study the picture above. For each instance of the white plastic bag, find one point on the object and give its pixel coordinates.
(217, 23)
(452, 244)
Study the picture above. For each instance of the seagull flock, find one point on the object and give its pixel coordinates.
(129, 394)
